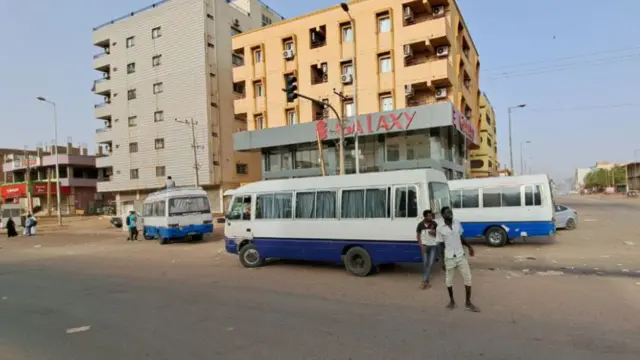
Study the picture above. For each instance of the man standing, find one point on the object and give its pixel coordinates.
(426, 236)
(449, 232)
(132, 223)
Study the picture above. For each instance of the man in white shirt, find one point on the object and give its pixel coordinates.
(169, 183)
(449, 232)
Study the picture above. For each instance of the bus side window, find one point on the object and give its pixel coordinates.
(532, 197)
(537, 196)
(456, 199)
(406, 202)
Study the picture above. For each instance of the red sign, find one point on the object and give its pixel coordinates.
(464, 125)
(371, 124)
(37, 189)
(12, 191)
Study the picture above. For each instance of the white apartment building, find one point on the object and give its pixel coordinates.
(172, 61)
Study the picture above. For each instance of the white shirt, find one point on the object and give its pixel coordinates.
(169, 183)
(451, 238)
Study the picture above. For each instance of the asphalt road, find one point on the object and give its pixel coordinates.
(191, 301)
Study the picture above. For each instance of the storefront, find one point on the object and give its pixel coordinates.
(429, 136)
(17, 193)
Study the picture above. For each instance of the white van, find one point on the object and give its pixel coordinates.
(362, 220)
(177, 213)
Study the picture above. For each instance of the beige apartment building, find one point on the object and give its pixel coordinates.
(172, 61)
(483, 159)
(416, 104)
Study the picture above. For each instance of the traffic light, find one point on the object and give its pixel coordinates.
(292, 88)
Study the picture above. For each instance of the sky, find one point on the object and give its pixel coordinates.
(575, 63)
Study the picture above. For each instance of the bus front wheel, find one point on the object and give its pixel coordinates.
(250, 257)
(496, 236)
(358, 262)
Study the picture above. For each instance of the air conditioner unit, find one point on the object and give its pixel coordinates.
(408, 90)
(346, 78)
(408, 14)
(236, 22)
(441, 93)
(438, 10)
(288, 54)
(408, 52)
(442, 50)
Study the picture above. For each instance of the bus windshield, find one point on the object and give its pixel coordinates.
(439, 195)
(188, 205)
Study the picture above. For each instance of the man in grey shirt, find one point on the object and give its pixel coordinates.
(169, 183)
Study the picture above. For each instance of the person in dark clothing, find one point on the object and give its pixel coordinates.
(11, 228)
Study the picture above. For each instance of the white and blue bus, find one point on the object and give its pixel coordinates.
(177, 213)
(363, 220)
(500, 209)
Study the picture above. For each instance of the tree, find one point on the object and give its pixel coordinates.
(602, 178)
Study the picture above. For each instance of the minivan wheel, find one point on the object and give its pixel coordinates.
(496, 237)
(571, 224)
(358, 262)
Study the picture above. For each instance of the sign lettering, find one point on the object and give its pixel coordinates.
(373, 124)
(465, 126)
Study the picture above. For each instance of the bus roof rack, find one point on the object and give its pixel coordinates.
(176, 188)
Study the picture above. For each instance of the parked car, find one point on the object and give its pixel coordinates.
(566, 217)
(116, 221)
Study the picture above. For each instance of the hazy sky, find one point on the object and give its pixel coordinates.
(580, 78)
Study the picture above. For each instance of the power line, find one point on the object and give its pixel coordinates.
(580, 108)
(560, 58)
(564, 67)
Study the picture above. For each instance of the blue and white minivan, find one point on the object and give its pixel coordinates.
(177, 213)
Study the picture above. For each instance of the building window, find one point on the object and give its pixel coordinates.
(133, 147)
(131, 42)
(156, 60)
(385, 63)
(159, 144)
(384, 23)
(160, 171)
(386, 102)
(347, 33)
(347, 68)
(259, 122)
(157, 88)
(242, 169)
(292, 117)
(257, 56)
(266, 20)
(131, 94)
(258, 89)
(158, 116)
(131, 68)
(133, 174)
(347, 108)
(288, 45)
(133, 121)
(156, 33)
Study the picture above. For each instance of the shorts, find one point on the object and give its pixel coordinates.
(460, 263)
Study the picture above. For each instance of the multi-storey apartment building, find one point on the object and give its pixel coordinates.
(172, 61)
(416, 105)
(484, 158)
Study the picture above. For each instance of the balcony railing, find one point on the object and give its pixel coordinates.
(99, 81)
(103, 130)
(102, 54)
(101, 105)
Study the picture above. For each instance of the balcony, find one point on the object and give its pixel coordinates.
(103, 110)
(242, 106)
(436, 32)
(102, 62)
(103, 135)
(102, 86)
(438, 72)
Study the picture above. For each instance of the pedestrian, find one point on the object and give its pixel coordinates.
(11, 228)
(426, 236)
(449, 233)
(133, 226)
(169, 183)
(29, 225)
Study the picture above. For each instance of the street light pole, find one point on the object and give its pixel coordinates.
(55, 125)
(345, 7)
(510, 134)
(522, 143)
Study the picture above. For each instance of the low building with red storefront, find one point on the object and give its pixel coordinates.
(32, 174)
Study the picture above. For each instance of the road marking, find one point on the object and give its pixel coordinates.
(78, 329)
(590, 220)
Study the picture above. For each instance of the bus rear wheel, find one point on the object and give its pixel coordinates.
(496, 236)
(358, 262)
(250, 257)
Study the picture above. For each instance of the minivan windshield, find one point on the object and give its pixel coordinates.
(188, 205)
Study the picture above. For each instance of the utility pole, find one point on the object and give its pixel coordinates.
(345, 8)
(510, 137)
(194, 145)
(28, 181)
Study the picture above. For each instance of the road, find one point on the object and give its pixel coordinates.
(193, 301)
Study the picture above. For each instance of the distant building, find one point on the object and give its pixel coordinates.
(505, 172)
(578, 178)
(633, 176)
(484, 158)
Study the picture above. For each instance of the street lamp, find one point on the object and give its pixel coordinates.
(55, 126)
(510, 139)
(522, 143)
(345, 8)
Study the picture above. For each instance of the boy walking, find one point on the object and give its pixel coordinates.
(426, 237)
(449, 233)
(133, 226)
